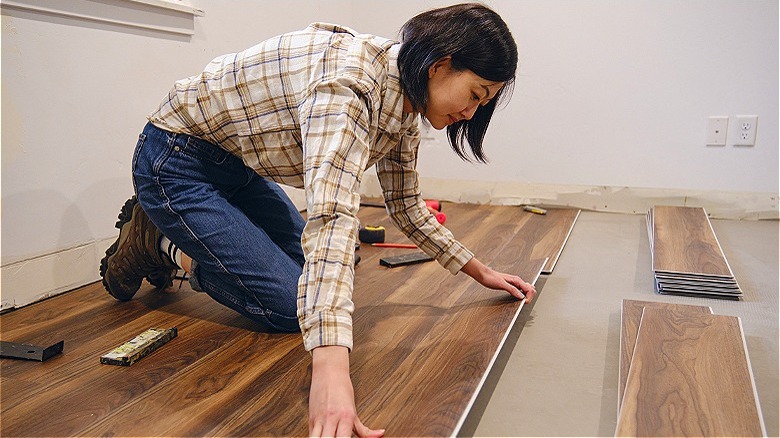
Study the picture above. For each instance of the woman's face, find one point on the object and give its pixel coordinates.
(454, 95)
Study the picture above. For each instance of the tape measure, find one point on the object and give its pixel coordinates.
(372, 234)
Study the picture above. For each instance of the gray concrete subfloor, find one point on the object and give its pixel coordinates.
(558, 372)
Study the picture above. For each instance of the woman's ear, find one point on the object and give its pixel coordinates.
(441, 64)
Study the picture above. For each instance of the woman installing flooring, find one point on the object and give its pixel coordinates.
(311, 109)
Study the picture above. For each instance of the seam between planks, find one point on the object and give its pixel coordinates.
(489, 367)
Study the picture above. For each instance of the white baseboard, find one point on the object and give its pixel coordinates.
(32, 280)
(632, 200)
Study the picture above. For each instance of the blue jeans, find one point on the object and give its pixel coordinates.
(241, 231)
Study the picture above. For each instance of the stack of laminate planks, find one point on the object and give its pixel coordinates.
(684, 372)
(687, 257)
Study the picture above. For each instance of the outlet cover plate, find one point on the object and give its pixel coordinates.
(745, 127)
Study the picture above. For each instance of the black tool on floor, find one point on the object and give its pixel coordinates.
(29, 352)
(405, 259)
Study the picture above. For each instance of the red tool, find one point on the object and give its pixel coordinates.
(434, 207)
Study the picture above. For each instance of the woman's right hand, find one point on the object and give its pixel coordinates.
(331, 397)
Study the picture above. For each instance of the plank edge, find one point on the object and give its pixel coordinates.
(563, 245)
(482, 380)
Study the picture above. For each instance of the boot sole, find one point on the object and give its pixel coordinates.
(124, 217)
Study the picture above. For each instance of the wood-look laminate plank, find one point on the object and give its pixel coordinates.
(684, 241)
(551, 232)
(424, 340)
(433, 286)
(463, 342)
(202, 394)
(630, 317)
(81, 352)
(98, 391)
(690, 376)
(463, 349)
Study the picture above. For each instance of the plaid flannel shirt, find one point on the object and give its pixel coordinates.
(313, 109)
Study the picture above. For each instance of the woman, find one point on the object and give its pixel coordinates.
(311, 109)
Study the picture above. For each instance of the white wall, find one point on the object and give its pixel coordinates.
(610, 93)
(617, 93)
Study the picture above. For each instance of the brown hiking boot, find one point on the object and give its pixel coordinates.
(135, 255)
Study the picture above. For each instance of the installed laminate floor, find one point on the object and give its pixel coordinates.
(561, 378)
(424, 340)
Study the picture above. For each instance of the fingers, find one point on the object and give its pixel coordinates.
(315, 429)
(363, 431)
(333, 427)
(528, 290)
(344, 429)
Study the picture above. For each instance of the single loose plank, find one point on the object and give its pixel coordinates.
(629, 326)
(690, 376)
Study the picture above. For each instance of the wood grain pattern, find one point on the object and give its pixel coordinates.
(687, 258)
(550, 232)
(424, 340)
(690, 376)
(630, 317)
(685, 242)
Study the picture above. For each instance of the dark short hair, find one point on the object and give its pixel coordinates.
(477, 39)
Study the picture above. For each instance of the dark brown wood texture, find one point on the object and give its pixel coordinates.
(550, 232)
(685, 242)
(423, 341)
(689, 376)
(629, 326)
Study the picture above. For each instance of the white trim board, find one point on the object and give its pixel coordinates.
(34, 279)
(631, 200)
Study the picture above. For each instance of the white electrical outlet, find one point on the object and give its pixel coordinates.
(716, 130)
(746, 130)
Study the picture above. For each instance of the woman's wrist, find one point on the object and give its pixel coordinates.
(332, 357)
(474, 269)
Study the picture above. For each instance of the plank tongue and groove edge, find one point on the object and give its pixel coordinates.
(690, 375)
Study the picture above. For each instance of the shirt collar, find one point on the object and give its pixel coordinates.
(392, 118)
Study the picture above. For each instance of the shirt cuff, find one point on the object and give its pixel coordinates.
(327, 328)
(455, 257)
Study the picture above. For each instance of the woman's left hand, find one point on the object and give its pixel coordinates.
(499, 280)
